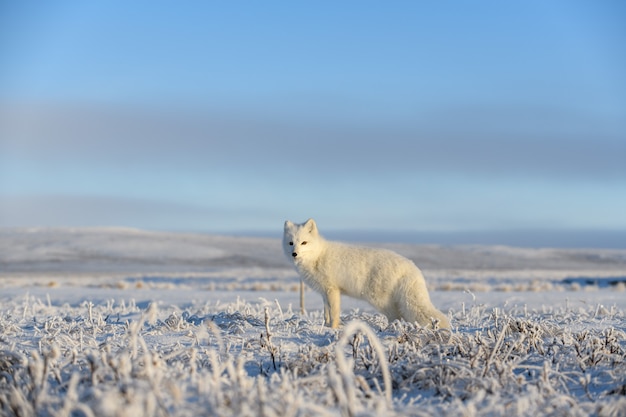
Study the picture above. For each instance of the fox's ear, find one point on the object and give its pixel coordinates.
(288, 225)
(310, 226)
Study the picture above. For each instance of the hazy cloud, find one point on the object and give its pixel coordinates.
(77, 211)
(483, 142)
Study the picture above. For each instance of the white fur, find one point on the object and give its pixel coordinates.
(388, 281)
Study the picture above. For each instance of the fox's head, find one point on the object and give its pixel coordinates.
(301, 241)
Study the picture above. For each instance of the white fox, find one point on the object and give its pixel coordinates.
(388, 281)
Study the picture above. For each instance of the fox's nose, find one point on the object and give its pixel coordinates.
(294, 254)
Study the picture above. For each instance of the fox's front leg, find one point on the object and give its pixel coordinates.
(326, 309)
(332, 307)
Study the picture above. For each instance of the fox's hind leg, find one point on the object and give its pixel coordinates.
(392, 313)
(332, 307)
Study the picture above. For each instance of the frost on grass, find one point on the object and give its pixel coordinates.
(116, 359)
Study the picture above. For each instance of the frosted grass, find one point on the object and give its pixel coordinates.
(261, 359)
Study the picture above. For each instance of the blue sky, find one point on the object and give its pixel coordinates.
(226, 116)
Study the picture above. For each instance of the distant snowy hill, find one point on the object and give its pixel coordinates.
(118, 253)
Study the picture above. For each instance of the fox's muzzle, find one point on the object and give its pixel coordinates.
(294, 254)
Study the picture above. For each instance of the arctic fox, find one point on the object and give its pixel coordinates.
(388, 281)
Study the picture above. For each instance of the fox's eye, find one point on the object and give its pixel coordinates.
(290, 243)
(304, 243)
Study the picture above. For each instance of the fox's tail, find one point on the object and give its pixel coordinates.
(415, 306)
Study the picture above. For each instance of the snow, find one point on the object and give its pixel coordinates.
(124, 322)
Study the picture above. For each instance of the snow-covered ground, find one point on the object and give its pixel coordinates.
(125, 322)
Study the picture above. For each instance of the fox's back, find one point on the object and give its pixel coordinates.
(361, 259)
(359, 270)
